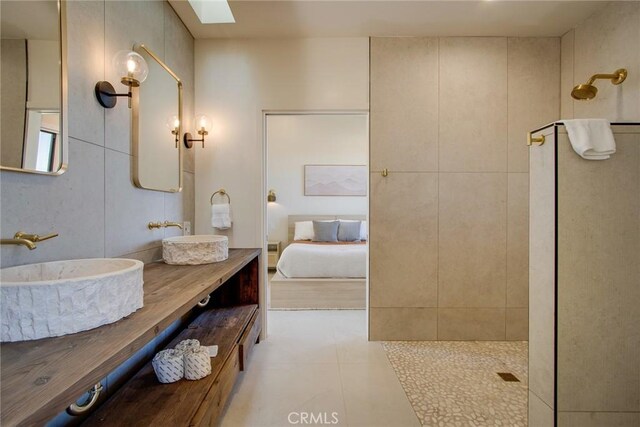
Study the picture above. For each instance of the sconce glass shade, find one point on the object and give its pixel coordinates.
(202, 122)
(173, 123)
(131, 67)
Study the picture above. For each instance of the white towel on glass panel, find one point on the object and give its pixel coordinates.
(592, 139)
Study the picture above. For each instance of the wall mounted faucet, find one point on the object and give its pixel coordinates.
(26, 239)
(165, 224)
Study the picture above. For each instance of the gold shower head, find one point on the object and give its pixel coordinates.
(588, 91)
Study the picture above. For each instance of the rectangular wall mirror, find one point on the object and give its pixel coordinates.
(156, 127)
(33, 136)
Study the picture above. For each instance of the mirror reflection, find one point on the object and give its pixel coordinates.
(157, 124)
(31, 136)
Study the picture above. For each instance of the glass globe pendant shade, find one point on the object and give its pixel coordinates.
(131, 67)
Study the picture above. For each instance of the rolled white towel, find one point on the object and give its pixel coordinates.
(197, 363)
(221, 216)
(169, 366)
(592, 139)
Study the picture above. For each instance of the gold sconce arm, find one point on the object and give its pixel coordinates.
(535, 140)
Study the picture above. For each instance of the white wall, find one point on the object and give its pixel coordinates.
(294, 141)
(239, 79)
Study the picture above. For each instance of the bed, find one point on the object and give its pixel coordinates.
(313, 275)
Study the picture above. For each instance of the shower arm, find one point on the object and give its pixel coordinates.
(616, 78)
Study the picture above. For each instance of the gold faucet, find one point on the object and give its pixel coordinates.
(26, 239)
(165, 224)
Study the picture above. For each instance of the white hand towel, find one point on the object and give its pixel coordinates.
(592, 139)
(221, 216)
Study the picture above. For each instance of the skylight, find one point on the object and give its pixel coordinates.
(213, 11)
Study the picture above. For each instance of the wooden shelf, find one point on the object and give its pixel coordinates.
(41, 378)
(143, 401)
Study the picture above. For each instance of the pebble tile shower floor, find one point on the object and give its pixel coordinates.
(456, 383)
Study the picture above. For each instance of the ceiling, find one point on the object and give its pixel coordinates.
(363, 18)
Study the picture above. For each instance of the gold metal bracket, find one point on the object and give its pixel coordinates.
(535, 140)
(385, 172)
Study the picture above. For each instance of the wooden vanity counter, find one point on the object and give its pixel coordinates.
(40, 378)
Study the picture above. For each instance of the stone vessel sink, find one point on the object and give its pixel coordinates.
(63, 297)
(195, 250)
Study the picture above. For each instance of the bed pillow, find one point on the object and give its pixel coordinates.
(325, 231)
(364, 232)
(349, 231)
(303, 230)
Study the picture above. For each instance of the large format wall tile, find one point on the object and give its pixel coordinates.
(598, 419)
(129, 209)
(598, 271)
(85, 67)
(404, 104)
(471, 324)
(473, 104)
(566, 75)
(128, 23)
(404, 240)
(533, 88)
(472, 239)
(518, 240)
(517, 324)
(542, 271)
(406, 324)
(71, 204)
(540, 414)
(606, 41)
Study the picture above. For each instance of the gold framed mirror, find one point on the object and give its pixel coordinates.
(33, 55)
(156, 127)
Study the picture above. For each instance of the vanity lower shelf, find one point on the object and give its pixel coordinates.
(41, 378)
(143, 401)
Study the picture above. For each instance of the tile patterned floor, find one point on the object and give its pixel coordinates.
(319, 362)
(455, 383)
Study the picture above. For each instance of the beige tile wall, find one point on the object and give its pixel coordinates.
(608, 40)
(94, 205)
(599, 279)
(449, 225)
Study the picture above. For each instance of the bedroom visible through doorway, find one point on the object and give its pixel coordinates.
(317, 208)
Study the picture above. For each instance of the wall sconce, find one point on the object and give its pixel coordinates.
(173, 123)
(202, 124)
(271, 197)
(133, 69)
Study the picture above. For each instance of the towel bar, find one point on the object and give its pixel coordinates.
(222, 192)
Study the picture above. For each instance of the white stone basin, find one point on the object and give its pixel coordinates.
(194, 250)
(63, 297)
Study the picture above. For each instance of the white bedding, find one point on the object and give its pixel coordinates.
(331, 261)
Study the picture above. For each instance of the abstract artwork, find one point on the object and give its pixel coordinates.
(335, 180)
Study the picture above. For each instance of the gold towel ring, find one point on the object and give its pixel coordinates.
(222, 192)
